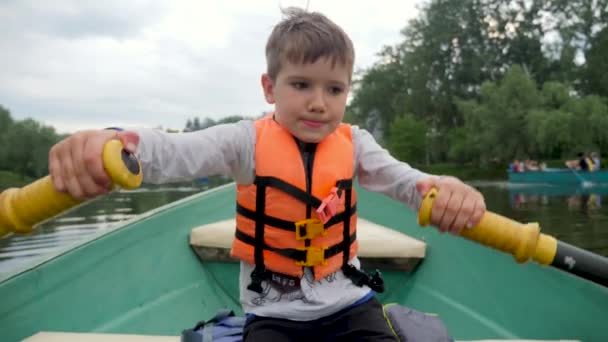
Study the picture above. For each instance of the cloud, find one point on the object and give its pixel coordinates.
(78, 19)
(84, 64)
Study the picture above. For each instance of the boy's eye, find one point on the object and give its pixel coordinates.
(336, 90)
(299, 85)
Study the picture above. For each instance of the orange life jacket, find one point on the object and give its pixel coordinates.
(285, 223)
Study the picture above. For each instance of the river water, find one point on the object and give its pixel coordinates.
(575, 215)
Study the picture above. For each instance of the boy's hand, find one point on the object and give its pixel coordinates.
(76, 165)
(457, 205)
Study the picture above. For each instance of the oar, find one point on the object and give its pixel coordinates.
(584, 183)
(525, 242)
(23, 208)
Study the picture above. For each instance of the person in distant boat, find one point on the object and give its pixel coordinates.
(595, 159)
(296, 213)
(584, 163)
(531, 165)
(514, 166)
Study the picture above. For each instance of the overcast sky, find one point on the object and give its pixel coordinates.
(92, 64)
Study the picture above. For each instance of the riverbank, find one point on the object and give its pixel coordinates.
(466, 172)
(10, 179)
(491, 172)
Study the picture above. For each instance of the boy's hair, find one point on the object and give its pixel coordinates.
(304, 37)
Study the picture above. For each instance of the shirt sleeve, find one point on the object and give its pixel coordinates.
(226, 149)
(380, 172)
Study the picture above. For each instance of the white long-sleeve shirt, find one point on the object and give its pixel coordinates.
(229, 149)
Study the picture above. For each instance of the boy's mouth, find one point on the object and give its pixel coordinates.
(312, 124)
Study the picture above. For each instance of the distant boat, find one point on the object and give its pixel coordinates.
(559, 176)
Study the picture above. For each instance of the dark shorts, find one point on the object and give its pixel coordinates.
(364, 322)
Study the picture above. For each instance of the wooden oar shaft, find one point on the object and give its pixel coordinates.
(22, 208)
(525, 242)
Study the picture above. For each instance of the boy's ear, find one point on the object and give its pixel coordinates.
(268, 86)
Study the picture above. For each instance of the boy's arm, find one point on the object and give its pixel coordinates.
(378, 171)
(219, 150)
(457, 205)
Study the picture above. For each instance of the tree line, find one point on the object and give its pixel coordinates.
(24, 145)
(474, 81)
(195, 124)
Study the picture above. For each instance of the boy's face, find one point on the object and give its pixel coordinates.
(309, 99)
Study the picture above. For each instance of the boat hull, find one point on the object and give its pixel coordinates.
(143, 278)
(559, 176)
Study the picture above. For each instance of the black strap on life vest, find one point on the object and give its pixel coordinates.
(259, 272)
(358, 277)
(294, 191)
(289, 225)
(296, 254)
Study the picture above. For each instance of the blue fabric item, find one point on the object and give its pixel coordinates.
(223, 327)
(415, 326)
(407, 324)
(363, 299)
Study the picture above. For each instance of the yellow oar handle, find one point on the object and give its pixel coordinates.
(523, 241)
(22, 208)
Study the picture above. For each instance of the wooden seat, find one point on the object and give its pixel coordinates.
(379, 246)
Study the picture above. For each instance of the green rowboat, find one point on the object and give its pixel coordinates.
(559, 177)
(143, 278)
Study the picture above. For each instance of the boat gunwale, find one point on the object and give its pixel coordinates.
(28, 266)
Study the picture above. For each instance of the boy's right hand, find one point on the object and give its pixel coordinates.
(76, 165)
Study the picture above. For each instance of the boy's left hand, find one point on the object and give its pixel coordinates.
(457, 205)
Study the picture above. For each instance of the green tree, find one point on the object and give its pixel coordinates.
(497, 122)
(5, 125)
(595, 74)
(375, 99)
(196, 125)
(30, 143)
(230, 119)
(408, 139)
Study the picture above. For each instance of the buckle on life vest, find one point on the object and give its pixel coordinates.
(309, 229)
(329, 206)
(314, 256)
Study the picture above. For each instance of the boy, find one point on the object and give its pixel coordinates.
(296, 207)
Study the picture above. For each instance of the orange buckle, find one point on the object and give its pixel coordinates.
(329, 206)
(314, 256)
(311, 229)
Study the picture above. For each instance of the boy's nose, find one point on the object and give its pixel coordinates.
(316, 103)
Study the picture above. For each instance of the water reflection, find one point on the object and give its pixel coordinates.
(91, 218)
(574, 214)
(575, 202)
(576, 197)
